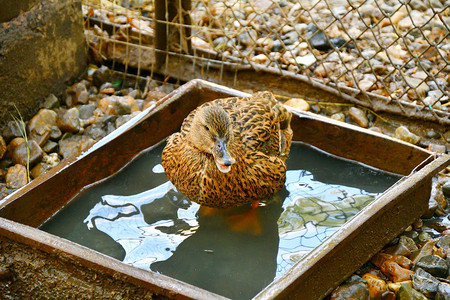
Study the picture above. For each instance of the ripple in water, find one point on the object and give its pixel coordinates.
(159, 229)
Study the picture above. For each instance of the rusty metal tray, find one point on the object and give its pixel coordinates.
(313, 277)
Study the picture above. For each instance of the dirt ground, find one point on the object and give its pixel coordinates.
(27, 273)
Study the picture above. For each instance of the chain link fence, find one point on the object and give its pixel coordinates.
(387, 55)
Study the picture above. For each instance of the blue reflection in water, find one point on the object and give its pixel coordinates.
(160, 229)
(312, 212)
(121, 218)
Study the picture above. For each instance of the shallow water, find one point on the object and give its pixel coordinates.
(138, 217)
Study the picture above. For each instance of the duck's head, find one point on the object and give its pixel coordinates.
(211, 132)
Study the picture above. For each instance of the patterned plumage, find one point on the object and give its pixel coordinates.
(230, 151)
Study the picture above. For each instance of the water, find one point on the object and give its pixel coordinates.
(138, 217)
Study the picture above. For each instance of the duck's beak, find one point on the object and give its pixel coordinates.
(222, 157)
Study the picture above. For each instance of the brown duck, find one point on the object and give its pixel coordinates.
(230, 151)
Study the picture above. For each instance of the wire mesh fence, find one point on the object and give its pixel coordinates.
(388, 55)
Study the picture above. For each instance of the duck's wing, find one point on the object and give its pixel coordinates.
(261, 123)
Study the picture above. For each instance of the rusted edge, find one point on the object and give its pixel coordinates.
(310, 115)
(277, 287)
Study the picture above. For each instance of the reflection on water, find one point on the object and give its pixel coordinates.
(161, 230)
(311, 213)
(121, 218)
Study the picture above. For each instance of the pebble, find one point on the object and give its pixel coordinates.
(125, 118)
(437, 148)
(199, 43)
(2, 147)
(376, 129)
(440, 226)
(48, 162)
(266, 43)
(395, 287)
(417, 4)
(401, 260)
(290, 38)
(51, 159)
(366, 85)
(301, 27)
(101, 75)
(376, 285)
(408, 243)
(426, 249)
(434, 265)
(443, 291)
(446, 189)
(155, 94)
(431, 134)
(55, 132)
(74, 145)
(117, 105)
(424, 236)
(248, 37)
(380, 69)
(77, 94)
(16, 177)
(69, 120)
(447, 136)
(38, 170)
(50, 146)
(107, 88)
(418, 84)
(395, 18)
(317, 38)
(432, 207)
(358, 116)
(260, 58)
(417, 224)
(95, 131)
(42, 121)
(398, 249)
(395, 273)
(437, 194)
(298, 103)
(51, 102)
(406, 292)
(277, 46)
(338, 116)
(86, 111)
(20, 153)
(13, 145)
(351, 291)
(404, 134)
(40, 139)
(306, 60)
(425, 283)
(12, 130)
(83, 124)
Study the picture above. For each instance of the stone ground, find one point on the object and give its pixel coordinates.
(412, 266)
(415, 265)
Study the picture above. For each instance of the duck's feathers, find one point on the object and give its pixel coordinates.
(261, 143)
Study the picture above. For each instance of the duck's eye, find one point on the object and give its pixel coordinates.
(206, 127)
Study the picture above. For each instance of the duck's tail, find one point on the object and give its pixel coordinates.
(284, 118)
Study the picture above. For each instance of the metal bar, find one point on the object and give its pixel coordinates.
(161, 26)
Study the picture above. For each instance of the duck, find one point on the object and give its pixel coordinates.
(231, 151)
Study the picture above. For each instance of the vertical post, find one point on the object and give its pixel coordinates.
(171, 34)
(161, 29)
(186, 17)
